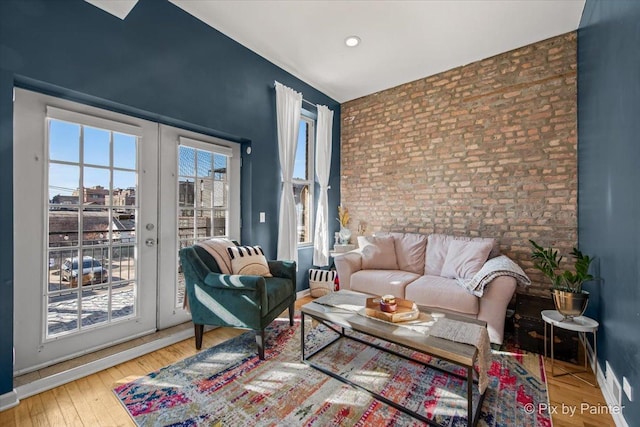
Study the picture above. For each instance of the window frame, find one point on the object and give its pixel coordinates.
(310, 119)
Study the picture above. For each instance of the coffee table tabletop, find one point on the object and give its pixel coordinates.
(341, 308)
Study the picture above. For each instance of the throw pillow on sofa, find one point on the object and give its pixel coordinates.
(465, 258)
(438, 247)
(379, 253)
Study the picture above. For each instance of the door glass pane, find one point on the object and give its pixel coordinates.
(205, 193)
(96, 146)
(220, 222)
(124, 188)
(203, 224)
(205, 163)
(64, 141)
(122, 300)
(62, 275)
(124, 151)
(63, 227)
(186, 192)
(91, 249)
(62, 313)
(123, 263)
(95, 306)
(185, 224)
(96, 224)
(64, 181)
(186, 161)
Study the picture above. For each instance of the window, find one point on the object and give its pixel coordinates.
(303, 180)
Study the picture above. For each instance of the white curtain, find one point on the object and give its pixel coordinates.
(288, 106)
(323, 168)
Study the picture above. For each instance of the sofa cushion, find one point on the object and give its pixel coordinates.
(410, 251)
(381, 282)
(440, 292)
(464, 259)
(379, 254)
(438, 246)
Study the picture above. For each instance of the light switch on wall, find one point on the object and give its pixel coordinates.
(262, 217)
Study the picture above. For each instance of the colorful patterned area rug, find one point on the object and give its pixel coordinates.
(227, 385)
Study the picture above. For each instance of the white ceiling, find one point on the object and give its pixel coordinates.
(401, 40)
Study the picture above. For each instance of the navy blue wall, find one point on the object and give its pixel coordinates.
(608, 177)
(160, 64)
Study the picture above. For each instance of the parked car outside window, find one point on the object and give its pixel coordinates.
(92, 271)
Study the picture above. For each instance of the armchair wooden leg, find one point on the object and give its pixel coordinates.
(260, 342)
(199, 330)
(292, 309)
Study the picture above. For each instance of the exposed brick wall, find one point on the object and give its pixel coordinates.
(488, 149)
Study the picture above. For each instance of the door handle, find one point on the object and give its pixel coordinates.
(150, 242)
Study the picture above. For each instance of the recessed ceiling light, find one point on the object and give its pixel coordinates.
(352, 41)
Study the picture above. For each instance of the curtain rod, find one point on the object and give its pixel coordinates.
(303, 100)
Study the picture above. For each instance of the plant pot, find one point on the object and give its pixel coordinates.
(570, 304)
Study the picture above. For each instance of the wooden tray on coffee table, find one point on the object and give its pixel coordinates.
(406, 311)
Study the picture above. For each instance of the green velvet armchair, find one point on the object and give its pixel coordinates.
(250, 302)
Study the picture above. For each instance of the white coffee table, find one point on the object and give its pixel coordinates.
(582, 325)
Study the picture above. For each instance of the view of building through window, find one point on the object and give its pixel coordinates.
(303, 180)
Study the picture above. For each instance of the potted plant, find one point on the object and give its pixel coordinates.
(569, 298)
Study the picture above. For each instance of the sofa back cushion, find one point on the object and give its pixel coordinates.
(465, 258)
(379, 253)
(438, 247)
(410, 250)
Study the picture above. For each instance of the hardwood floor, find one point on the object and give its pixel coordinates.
(90, 401)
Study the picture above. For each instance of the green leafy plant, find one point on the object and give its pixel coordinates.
(548, 262)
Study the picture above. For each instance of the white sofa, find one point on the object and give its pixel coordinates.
(424, 269)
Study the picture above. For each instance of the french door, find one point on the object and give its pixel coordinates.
(99, 214)
(200, 198)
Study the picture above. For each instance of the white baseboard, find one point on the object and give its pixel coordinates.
(44, 384)
(9, 400)
(618, 418)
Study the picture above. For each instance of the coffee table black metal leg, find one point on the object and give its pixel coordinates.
(302, 334)
(470, 416)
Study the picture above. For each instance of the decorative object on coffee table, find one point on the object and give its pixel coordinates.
(388, 304)
(569, 298)
(404, 310)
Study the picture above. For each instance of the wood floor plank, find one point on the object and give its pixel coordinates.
(68, 409)
(90, 401)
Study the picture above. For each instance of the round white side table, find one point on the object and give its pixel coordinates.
(582, 325)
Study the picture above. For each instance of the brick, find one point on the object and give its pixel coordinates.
(487, 149)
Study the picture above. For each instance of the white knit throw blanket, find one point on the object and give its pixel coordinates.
(498, 266)
(218, 249)
(467, 333)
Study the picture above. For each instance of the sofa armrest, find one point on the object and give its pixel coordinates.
(493, 305)
(347, 264)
